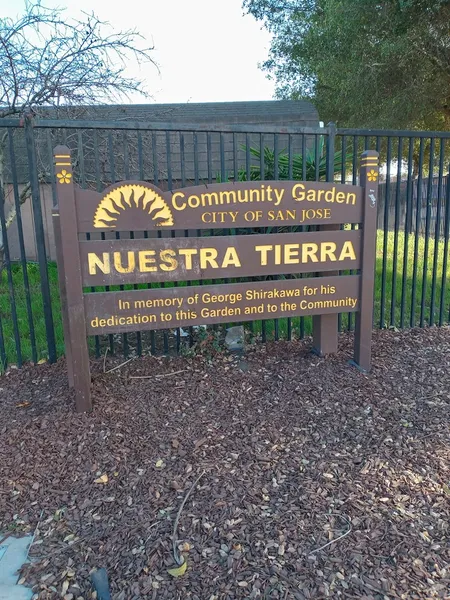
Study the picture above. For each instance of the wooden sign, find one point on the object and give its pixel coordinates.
(183, 259)
(140, 206)
(132, 206)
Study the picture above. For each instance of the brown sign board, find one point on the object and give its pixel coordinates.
(108, 312)
(132, 206)
(113, 262)
(140, 206)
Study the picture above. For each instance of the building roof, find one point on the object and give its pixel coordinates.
(270, 112)
(177, 157)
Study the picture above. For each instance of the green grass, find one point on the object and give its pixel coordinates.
(423, 285)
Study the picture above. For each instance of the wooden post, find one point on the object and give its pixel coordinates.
(368, 179)
(70, 261)
(63, 295)
(325, 327)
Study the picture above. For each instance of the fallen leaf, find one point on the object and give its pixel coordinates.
(102, 479)
(23, 404)
(42, 361)
(159, 463)
(178, 571)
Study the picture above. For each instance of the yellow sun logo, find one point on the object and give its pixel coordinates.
(64, 176)
(126, 206)
(372, 175)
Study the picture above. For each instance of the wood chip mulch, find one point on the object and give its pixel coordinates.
(317, 481)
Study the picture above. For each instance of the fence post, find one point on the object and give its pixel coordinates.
(40, 238)
(63, 294)
(368, 179)
(73, 286)
(325, 327)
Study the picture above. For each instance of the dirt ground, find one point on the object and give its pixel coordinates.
(305, 478)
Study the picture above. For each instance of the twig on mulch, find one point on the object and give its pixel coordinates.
(36, 529)
(176, 555)
(162, 375)
(336, 539)
(118, 366)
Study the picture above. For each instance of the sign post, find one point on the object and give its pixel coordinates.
(368, 176)
(132, 206)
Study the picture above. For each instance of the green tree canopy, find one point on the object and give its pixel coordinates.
(372, 63)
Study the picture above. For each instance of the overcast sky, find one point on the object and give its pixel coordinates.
(207, 50)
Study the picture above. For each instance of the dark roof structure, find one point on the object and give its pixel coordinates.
(200, 150)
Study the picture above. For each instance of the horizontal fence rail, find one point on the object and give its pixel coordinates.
(413, 215)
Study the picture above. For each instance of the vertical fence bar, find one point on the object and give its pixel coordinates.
(262, 173)
(209, 156)
(437, 230)
(343, 178)
(81, 168)
(98, 183)
(445, 259)
(248, 177)
(23, 258)
(50, 159)
(290, 177)
(317, 142)
(325, 327)
(7, 264)
(427, 233)
(196, 173)
(276, 322)
(387, 199)
(3, 356)
(416, 235)
(40, 240)
(407, 232)
(304, 158)
(155, 159)
(396, 229)
(112, 166)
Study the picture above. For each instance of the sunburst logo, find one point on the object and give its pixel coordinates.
(125, 206)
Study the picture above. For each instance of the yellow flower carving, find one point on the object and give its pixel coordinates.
(64, 176)
(372, 175)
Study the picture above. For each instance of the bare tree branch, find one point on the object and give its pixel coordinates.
(47, 59)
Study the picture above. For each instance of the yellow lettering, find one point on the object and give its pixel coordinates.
(347, 251)
(227, 197)
(208, 256)
(194, 201)
(118, 262)
(169, 263)
(231, 258)
(299, 189)
(175, 197)
(340, 197)
(309, 251)
(264, 250)
(188, 253)
(94, 261)
(291, 254)
(327, 251)
(210, 199)
(329, 196)
(146, 260)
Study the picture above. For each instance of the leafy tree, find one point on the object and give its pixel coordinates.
(371, 63)
(47, 59)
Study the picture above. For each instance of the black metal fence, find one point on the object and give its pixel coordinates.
(413, 219)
